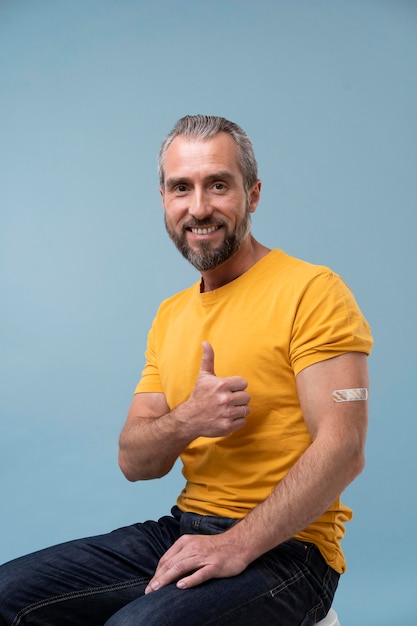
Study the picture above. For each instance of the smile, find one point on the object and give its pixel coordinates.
(204, 231)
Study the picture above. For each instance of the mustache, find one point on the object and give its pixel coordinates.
(204, 223)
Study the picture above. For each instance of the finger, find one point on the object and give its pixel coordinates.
(168, 558)
(168, 567)
(207, 360)
(240, 398)
(196, 578)
(170, 572)
(239, 420)
(237, 383)
(244, 412)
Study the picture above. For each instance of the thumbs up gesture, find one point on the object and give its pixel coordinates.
(217, 406)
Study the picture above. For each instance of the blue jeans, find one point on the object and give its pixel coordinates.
(101, 581)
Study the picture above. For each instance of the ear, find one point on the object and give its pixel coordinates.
(161, 191)
(254, 196)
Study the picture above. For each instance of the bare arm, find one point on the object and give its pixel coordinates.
(154, 436)
(331, 462)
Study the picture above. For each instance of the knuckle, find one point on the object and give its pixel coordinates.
(177, 568)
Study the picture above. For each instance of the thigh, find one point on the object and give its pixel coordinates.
(85, 581)
(289, 585)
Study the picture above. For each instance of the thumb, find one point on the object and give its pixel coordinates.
(207, 360)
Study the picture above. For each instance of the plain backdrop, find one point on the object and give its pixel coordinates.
(326, 89)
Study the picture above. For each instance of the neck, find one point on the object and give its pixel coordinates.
(249, 253)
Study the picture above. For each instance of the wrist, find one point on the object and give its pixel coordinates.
(246, 541)
(184, 423)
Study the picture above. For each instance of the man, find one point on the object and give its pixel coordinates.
(257, 377)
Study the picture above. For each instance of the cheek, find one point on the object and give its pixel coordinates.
(174, 219)
(176, 208)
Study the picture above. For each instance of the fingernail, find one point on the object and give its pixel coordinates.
(152, 587)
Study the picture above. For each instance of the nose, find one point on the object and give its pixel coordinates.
(200, 206)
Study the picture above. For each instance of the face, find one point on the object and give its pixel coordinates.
(207, 210)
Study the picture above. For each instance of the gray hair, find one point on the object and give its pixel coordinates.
(206, 127)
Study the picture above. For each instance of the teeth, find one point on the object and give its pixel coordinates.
(204, 231)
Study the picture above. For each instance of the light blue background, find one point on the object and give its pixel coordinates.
(327, 91)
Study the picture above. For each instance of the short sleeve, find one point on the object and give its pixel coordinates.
(150, 380)
(327, 323)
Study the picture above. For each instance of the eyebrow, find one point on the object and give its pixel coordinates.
(221, 175)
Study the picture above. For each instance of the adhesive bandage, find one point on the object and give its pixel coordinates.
(350, 395)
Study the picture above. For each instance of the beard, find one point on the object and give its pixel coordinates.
(206, 257)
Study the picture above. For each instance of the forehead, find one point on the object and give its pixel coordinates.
(187, 156)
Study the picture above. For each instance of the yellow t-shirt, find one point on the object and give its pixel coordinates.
(279, 317)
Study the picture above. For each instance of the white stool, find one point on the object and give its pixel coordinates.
(329, 620)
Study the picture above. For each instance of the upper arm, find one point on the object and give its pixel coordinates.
(147, 405)
(343, 422)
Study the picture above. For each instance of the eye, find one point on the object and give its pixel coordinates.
(181, 188)
(219, 186)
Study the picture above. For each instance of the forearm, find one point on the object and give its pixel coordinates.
(302, 496)
(306, 492)
(149, 446)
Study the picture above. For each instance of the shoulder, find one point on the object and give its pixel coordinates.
(177, 301)
(294, 272)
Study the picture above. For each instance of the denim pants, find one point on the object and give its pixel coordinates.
(101, 581)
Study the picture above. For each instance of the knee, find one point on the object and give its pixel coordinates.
(9, 605)
(136, 613)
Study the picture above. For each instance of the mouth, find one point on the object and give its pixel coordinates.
(207, 230)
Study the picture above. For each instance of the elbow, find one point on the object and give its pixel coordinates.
(360, 463)
(140, 471)
(348, 455)
(127, 470)
(350, 449)
(356, 463)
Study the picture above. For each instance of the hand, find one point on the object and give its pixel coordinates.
(217, 406)
(203, 557)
